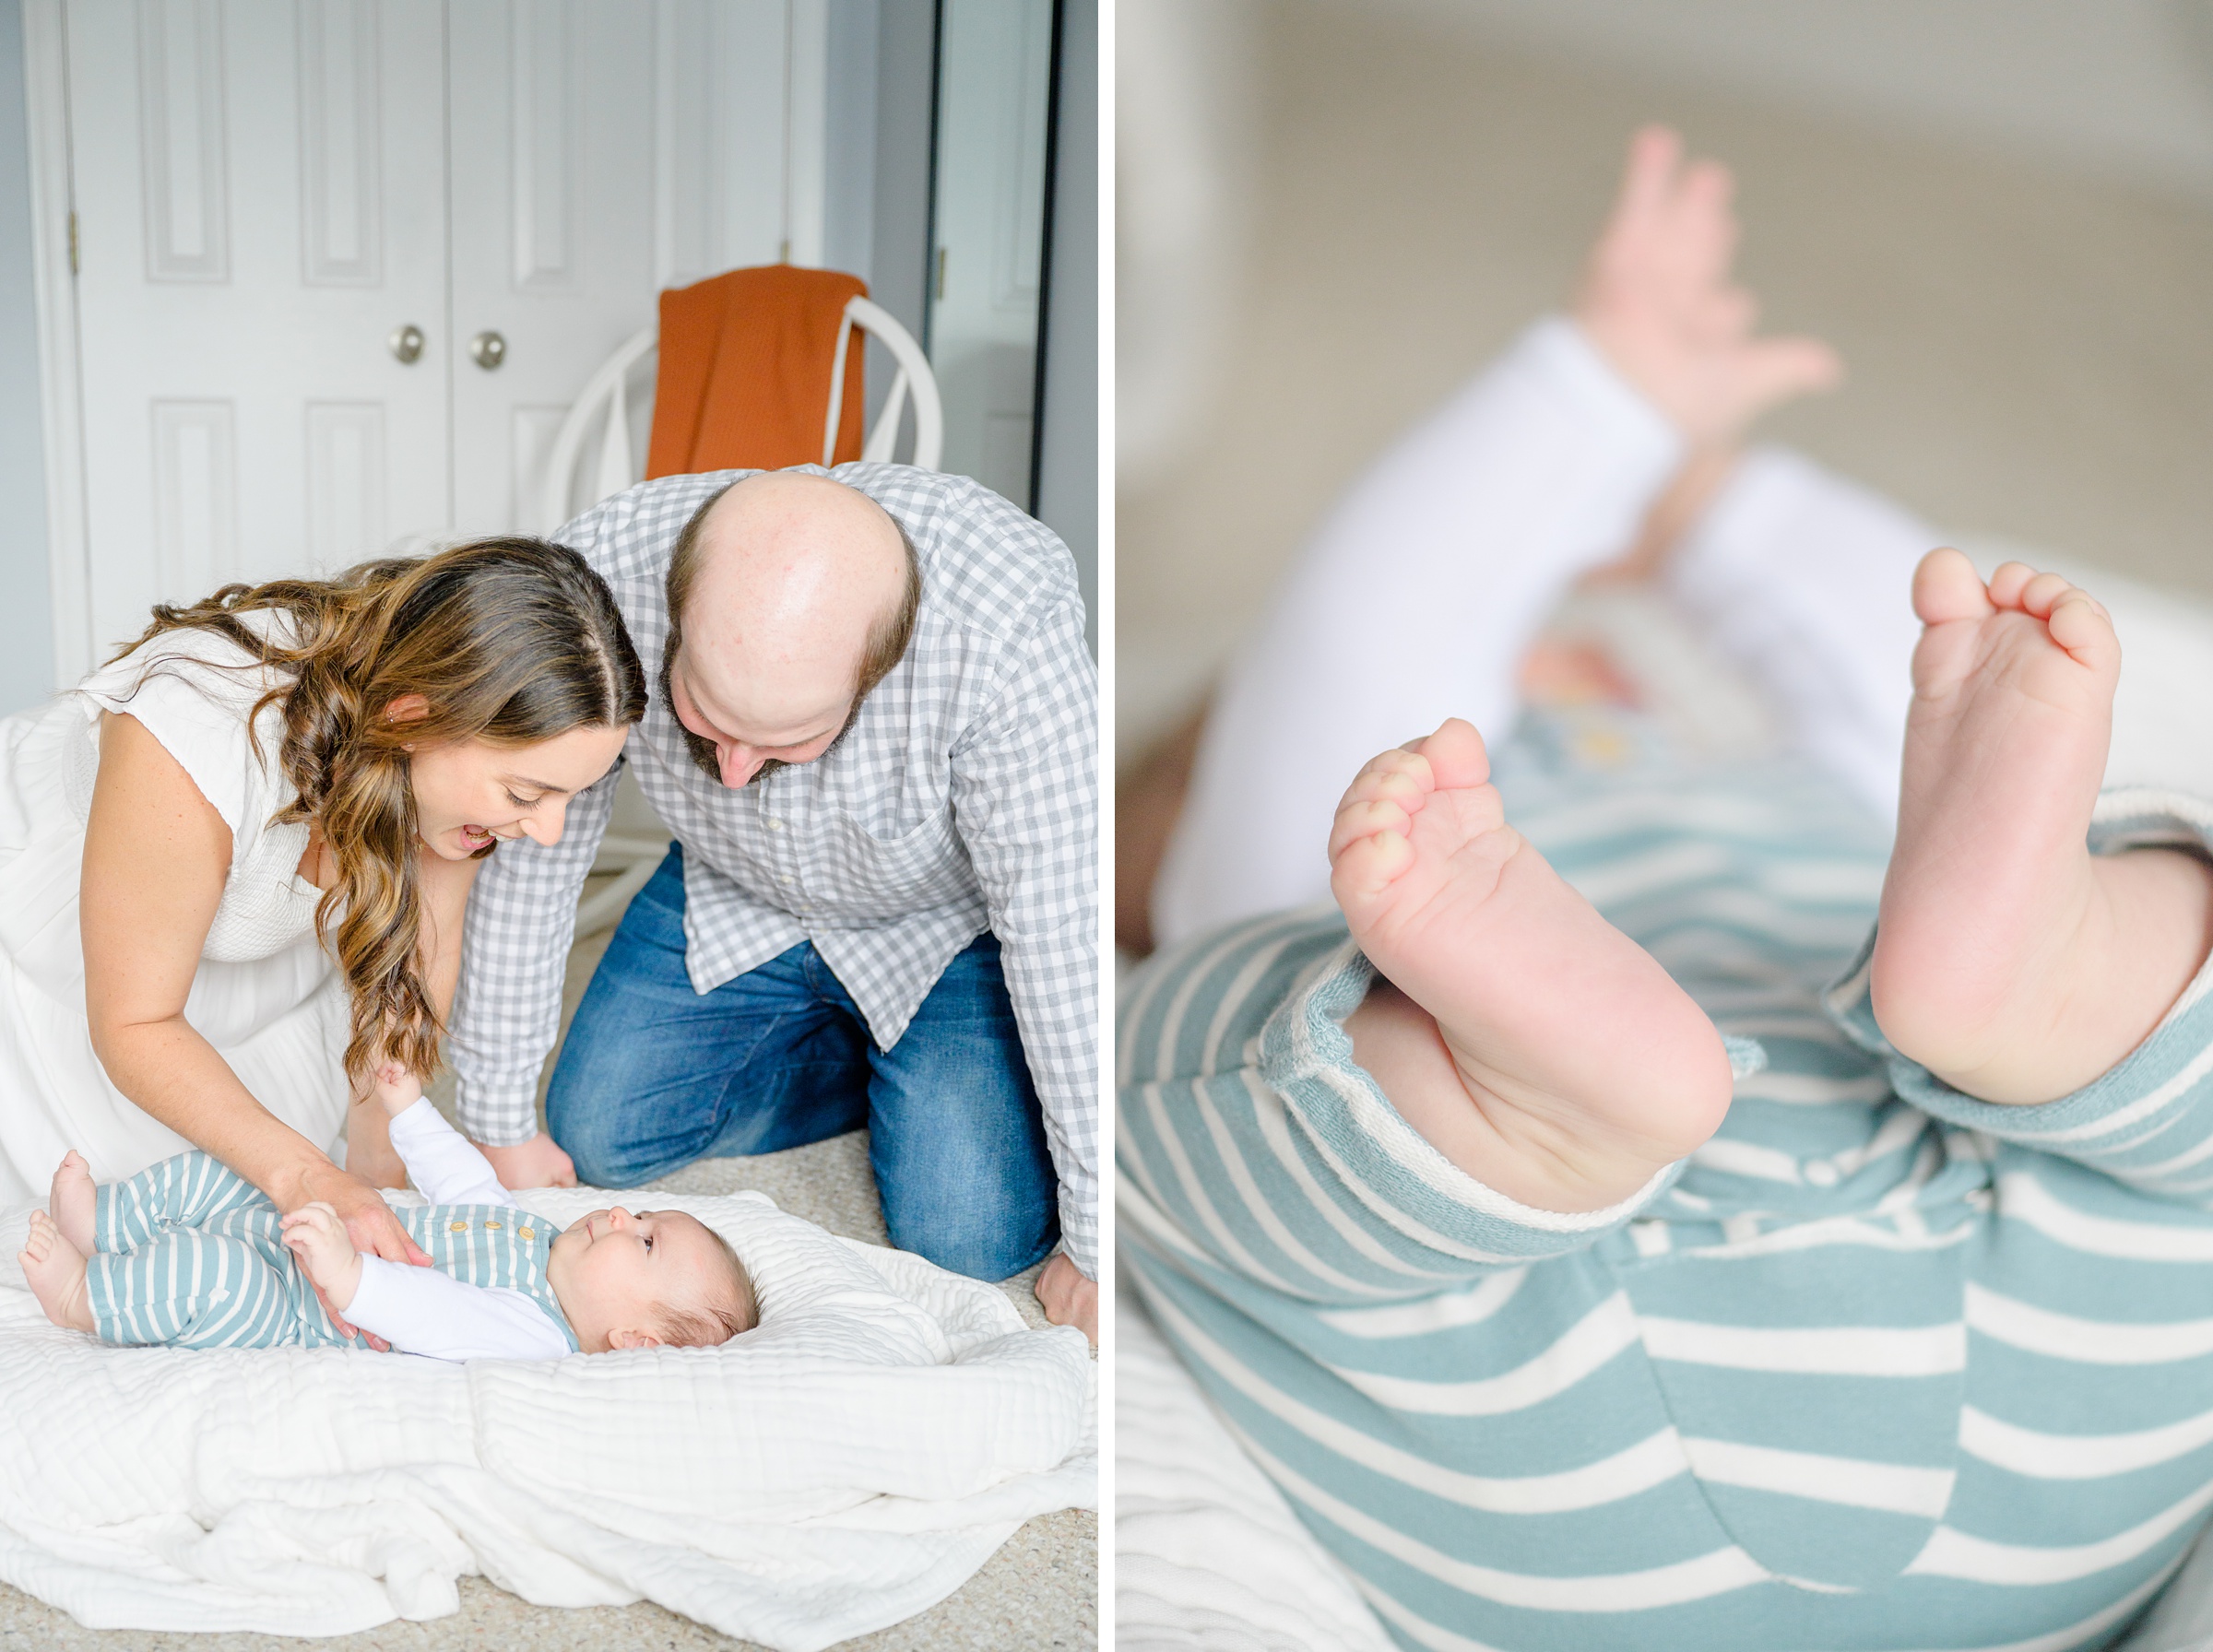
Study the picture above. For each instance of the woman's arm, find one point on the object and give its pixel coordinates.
(157, 855)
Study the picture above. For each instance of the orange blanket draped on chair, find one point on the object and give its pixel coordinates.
(744, 377)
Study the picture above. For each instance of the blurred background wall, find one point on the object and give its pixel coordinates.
(1332, 211)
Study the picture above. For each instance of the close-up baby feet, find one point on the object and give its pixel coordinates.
(54, 1270)
(1571, 1067)
(2009, 960)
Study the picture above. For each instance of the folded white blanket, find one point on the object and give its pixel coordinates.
(848, 1464)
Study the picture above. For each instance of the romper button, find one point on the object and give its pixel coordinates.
(525, 1233)
(460, 1227)
(492, 1227)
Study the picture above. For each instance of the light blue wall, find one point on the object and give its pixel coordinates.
(1068, 436)
(26, 620)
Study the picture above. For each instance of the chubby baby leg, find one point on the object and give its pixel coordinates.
(1530, 1042)
(2011, 961)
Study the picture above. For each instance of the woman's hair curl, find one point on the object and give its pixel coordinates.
(511, 640)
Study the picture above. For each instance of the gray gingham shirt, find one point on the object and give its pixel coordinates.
(964, 798)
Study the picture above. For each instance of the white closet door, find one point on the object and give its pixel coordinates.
(599, 153)
(260, 195)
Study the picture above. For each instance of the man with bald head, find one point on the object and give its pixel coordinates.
(802, 595)
(874, 740)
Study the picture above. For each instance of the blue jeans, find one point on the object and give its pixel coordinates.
(653, 1075)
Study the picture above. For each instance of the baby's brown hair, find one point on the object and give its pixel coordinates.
(728, 1313)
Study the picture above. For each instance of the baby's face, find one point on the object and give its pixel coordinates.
(614, 1269)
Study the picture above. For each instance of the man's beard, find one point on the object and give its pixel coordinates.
(705, 757)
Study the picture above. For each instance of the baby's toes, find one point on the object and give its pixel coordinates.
(2081, 626)
(1356, 821)
(2009, 581)
(1398, 773)
(2038, 596)
(1367, 868)
(1947, 587)
(1455, 755)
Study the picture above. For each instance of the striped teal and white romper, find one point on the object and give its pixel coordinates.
(1880, 1366)
(189, 1254)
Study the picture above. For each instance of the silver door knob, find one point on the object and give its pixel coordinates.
(488, 351)
(406, 343)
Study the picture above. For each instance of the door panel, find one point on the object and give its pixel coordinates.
(260, 191)
(266, 196)
(719, 156)
(599, 153)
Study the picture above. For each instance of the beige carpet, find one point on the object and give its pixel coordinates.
(1040, 1590)
(2031, 352)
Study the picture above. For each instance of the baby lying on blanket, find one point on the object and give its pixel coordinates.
(190, 1255)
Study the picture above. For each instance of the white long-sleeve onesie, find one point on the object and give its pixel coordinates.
(421, 1310)
(1420, 593)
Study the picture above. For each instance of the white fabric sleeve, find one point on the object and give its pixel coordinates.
(196, 709)
(1805, 580)
(419, 1310)
(445, 1164)
(1414, 602)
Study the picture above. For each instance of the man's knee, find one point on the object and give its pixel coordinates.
(604, 1141)
(983, 1241)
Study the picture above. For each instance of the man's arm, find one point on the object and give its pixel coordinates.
(1026, 801)
(514, 949)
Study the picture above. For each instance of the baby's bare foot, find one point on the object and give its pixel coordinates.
(74, 1202)
(2010, 962)
(1563, 1067)
(55, 1268)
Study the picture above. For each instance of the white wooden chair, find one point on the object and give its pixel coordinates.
(606, 403)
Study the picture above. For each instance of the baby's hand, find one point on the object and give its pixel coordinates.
(395, 1086)
(317, 1237)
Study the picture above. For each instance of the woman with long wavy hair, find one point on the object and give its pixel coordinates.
(234, 860)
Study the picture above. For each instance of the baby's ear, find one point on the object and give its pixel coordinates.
(632, 1340)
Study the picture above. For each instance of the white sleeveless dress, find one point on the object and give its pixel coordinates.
(265, 995)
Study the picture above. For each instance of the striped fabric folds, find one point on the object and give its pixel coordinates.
(1879, 1366)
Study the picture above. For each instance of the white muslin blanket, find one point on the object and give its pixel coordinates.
(847, 1464)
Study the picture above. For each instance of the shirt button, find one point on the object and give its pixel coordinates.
(774, 824)
(783, 878)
